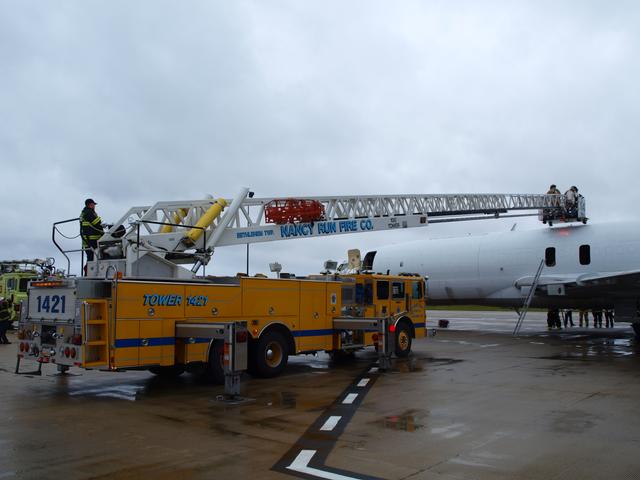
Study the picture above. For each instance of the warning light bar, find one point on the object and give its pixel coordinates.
(47, 284)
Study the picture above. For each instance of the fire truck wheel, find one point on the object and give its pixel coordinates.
(403, 340)
(167, 372)
(215, 369)
(270, 355)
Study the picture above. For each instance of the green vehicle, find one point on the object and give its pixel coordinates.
(15, 276)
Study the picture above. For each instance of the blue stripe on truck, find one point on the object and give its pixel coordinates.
(137, 342)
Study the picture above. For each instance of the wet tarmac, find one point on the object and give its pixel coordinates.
(473, 402)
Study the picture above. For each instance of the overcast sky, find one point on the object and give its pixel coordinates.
(133, 102)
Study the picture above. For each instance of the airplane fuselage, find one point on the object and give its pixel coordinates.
(498, 268)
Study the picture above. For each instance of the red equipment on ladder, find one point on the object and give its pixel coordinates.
(293, 210)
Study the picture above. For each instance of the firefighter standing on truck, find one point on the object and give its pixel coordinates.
(90, 227)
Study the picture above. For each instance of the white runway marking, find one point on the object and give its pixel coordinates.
(330, 424)
(116, 395)
(349, 399)
(122, 392)
(363, 382)
(301, 464)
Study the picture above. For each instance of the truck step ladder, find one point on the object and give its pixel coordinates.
(95, 337)
(527, 302)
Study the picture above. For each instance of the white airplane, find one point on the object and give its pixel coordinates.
(590, 266)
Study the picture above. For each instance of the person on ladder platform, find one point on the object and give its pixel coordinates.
(548, 213)
(90, 228)
(571, 196)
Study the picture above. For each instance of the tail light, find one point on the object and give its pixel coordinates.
(241, 337)
(226, 357)
(76, 339)
(392, 328)
(73, 353)
(67, 352)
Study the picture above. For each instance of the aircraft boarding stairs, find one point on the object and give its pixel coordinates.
(527, 302)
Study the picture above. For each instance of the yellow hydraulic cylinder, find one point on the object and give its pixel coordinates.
(214, 211)
(177, 219)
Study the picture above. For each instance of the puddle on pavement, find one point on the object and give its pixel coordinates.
(592, 347)
(278, 423)
(408, 365)
(281, 399)
(315, 362)
(120, 392)
(409, 421)
(440, 360)
(307, 402)
(575, 421)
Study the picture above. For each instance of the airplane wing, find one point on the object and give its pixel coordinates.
(620, 283)
(588, 279)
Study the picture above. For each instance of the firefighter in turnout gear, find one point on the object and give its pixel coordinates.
(90, 227)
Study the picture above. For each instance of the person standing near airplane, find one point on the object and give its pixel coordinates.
(597, 318)
(608, 317)
(584, 314)
(568, 318)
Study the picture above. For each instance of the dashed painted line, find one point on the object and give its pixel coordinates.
(307, 457)
(350, 398)
(331, 423)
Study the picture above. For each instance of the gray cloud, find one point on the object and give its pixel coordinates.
(136, 102)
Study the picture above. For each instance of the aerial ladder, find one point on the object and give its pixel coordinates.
(175, 239)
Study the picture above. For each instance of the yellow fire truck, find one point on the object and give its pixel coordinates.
(169, 326)
(139, 304)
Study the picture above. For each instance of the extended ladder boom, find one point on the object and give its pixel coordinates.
(166, 230)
